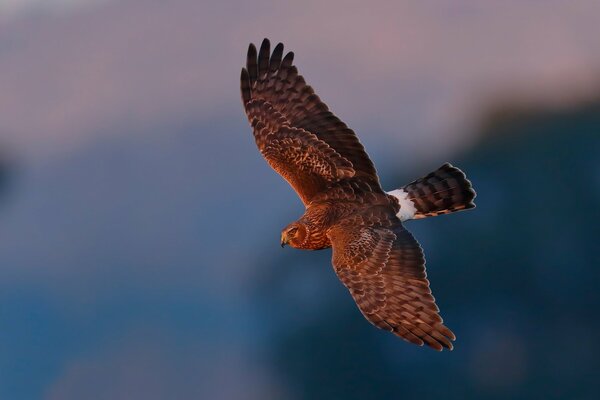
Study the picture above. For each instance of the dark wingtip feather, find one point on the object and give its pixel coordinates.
(276, 58)
(245, 86)
(263, 57)
(251, 63)
(287, 60)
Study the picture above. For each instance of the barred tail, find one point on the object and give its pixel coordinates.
(443, 191)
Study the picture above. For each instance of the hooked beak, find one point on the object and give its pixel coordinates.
(284, 240)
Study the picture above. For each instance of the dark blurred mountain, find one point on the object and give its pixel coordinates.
(516, 279)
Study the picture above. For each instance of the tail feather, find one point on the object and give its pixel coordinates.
(443, 191)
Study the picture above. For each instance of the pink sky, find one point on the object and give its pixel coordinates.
(390, 69)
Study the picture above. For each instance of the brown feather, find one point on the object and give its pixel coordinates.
(286, 95)
(443, 191)
(309, 164)
(375, 257)
(383, 267)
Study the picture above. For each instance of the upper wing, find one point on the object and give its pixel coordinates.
(280, 104)
(384, 268)
(309, 164)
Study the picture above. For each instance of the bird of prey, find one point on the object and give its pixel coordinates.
(374, 256)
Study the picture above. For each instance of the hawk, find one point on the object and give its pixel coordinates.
(374, 256)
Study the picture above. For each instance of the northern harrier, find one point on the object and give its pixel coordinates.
(374, 256)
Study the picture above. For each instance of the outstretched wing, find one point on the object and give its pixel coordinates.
(384, 268)
(294, 130)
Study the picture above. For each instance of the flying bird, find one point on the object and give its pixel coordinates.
(374, 256)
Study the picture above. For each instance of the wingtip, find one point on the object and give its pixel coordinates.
(440, 345)
(275, 61)
(263, 57)
(251, 50)
(265, 46)
(245, 86)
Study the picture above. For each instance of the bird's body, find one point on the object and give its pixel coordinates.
(346, 209)
(332, 209)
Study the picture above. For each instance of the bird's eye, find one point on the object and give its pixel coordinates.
(292, 231)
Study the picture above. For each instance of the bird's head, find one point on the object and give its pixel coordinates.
(294, 234)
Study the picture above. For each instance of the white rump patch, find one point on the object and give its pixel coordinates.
(407, 207)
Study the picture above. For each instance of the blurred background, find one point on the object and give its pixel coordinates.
(139, 226)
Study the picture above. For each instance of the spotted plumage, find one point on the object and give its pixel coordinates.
(346, 209)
